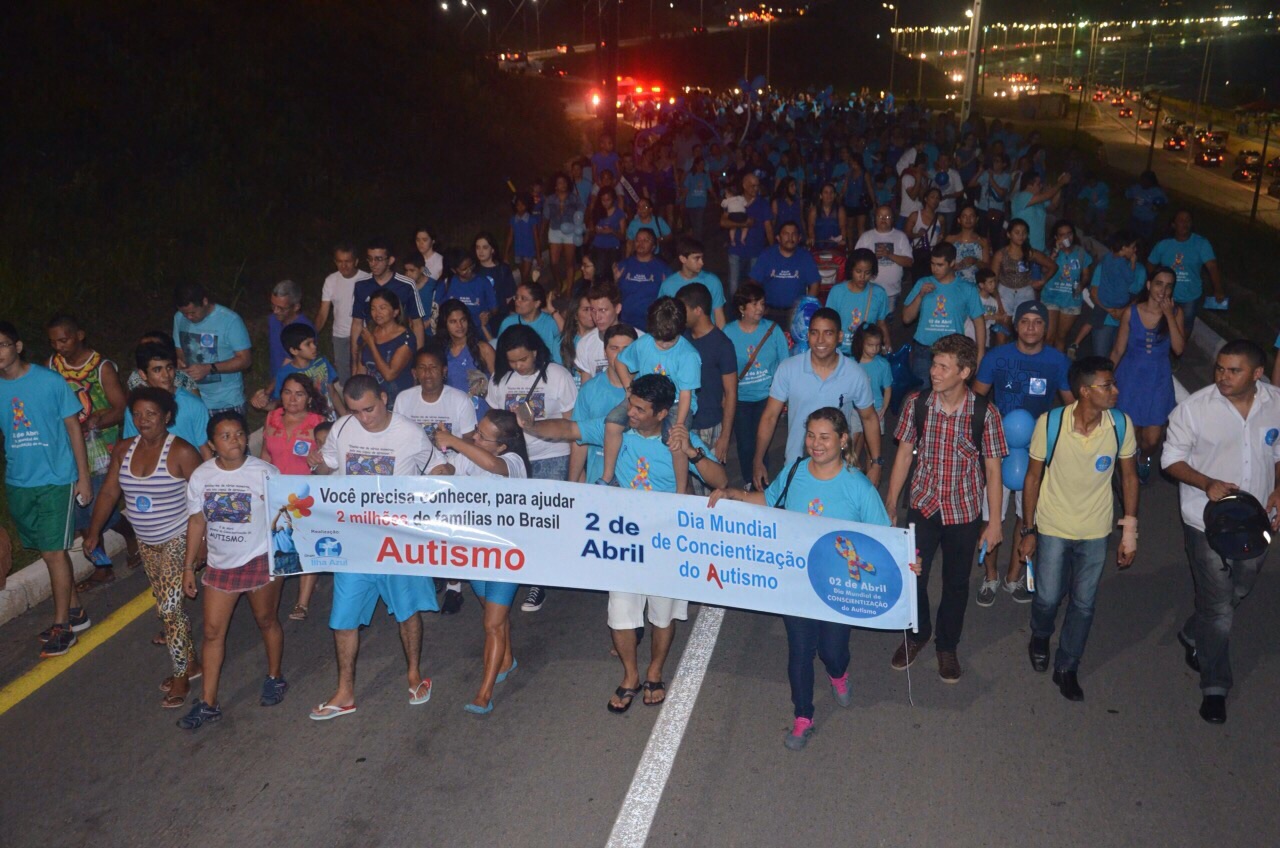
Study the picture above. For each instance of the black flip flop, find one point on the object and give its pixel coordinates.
(629, 694)
(649, 686)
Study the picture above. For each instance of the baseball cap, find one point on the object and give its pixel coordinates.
(1237, 527)
(1031, 306)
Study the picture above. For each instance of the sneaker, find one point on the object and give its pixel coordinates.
(1017, 590)
(534, 600)
(1144, 469)
(840, 690)
(200, 713)
(61, 639)
(799, 735)
(906, 654)
(452, 602)
(948, 667)
(987, 594)
(273, 689)
(77, 618)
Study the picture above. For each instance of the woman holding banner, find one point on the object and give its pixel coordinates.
(825, 482)
(495, 449)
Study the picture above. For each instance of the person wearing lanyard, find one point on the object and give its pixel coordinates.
(1222, 439)
(823, 482)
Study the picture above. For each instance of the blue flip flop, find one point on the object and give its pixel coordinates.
(502, 675)
(474, 710)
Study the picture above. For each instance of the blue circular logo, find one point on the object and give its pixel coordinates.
(301, 447)
(1271, 435)
(854, 574)
(327, 546)
(143, 503)
(1103, 463)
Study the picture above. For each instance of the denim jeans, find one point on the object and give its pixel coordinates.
(806, 637)
(1219, 591)
(739, 270)
(1189, 310)
(1066, 567)
(551, 468)
(746, 419)
(958, 543)
(342, 357)
(921, 361)
(1102, 338)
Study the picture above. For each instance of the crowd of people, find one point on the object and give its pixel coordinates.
(592, 345)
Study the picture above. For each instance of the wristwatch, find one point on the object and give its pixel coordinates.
(1027, 531)
(879, 460)
(698, 457)
(213, 368)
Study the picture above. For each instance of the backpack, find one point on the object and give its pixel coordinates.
(1053, 429)
(977, 424)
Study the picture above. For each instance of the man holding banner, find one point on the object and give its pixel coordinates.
(373, 440)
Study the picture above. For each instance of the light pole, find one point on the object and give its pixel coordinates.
(971, 60)
(537, 18)
(894, 55)
(920, 78)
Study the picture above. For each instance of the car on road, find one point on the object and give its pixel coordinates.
(1146, 123)
(564, 48)
(1175, 142)
(1074, 86)
(698, 30)
(1099, 96)
(1117, 101)
(551, 69)
(1126, 112)
(1249, 158)
(1246, 173)
(1211, 157)
(1273, 167)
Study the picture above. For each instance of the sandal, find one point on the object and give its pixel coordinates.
(158, 640)
(299, 613)
(649, 686)
(629, 694)
(134, 560)
(172, 702)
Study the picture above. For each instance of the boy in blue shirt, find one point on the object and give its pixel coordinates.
(942, 302)
(691, 255)
(300, 341)
(596, 399)
(665, 351)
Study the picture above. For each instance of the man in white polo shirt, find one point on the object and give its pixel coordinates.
(1222, 439)
(337, 296)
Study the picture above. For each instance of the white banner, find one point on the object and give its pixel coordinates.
(547, 533)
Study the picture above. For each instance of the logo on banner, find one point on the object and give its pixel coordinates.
(328, 547)
(854, 574)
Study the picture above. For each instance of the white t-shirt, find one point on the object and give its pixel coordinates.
(552, 398)
(402, 448)
(906, 205)
(434, 266)
(234, 505)
(948, 204)
(454, 411)
(340, 292)
(588, 353)
(464, 467)
(888, 273)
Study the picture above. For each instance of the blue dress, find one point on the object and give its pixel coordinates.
(1144, 376)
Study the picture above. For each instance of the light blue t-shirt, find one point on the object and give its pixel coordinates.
(1098, 195)
(191, 424)
(1061, 290)
(680, 362)
(797, 385)
(944, 310)
(658, 224)
(596, 399)
(858, 308)
(754, 386)
(37, 449)
(881, 377)
(544, 325)
(643, 462)
(215, 339)
(677, 281)
(1116, 283)
(1187, 259)
(1146, 202)
(1034, 214)
(848, 496)
(698, 187)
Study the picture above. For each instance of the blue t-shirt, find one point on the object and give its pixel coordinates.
(638, 286)
(671, 285)
(1029, 381)
(399, 285)
(321, 373)
(1061, 290)
(987, 198)
(698, 187)
(1098, 195)
(797, 385)
(1187, 259)
(754, 386)
(544, 325)
(191, 424)
(718, 359)
(37, 449)
(751, 242)
(1145, 202)
(944, 310)
(680, 362)
(1034, 215)
(215, 339)
(857, 309)
(657, 224)
(596, 399)
(522, 241)
(601, 162)
(848, 496)
(1117, 283)
(476, 293)
(275, 348)
(880, 375)
(643, 463)
(614, 221)
(785, 278)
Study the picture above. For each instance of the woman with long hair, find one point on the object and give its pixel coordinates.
(484, 248)
(924, 228)
(386, 345)
(470, 361)
(563, 214)
(787, 204)
(608, 229)
(827, 220)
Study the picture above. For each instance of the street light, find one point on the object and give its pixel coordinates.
(894, 55)
(920, 77)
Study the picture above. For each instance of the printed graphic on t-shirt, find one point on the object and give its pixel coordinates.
(940, 306)
(363, 464)
(816, 507)
(430, 426)
(20, 420)
(641, 480)
(224, 507)
(537, 402)
(200, 349)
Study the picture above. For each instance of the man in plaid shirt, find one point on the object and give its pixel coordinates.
(945, 499)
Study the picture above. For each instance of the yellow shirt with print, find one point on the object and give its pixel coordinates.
(1075, 493)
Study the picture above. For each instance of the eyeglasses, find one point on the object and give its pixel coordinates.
(1104, 386)
(7, 344)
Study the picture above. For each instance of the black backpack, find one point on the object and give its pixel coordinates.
(977, 424)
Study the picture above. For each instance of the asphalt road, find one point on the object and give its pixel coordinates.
(999, 759)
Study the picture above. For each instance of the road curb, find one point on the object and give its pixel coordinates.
(30, 586)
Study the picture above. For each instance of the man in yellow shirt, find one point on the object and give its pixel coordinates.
(1069, 511)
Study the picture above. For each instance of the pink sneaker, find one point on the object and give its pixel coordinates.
(799, 736)
(840, 690)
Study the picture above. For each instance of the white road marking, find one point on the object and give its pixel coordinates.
(631, 828)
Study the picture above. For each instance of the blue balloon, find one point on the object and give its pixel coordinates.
(1013, 471)
(303, 491)
(1018, 427)
(800, 323)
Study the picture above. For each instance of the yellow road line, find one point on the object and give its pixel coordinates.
(29, 683)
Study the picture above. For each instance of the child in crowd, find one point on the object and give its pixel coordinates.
(300, 341)
(522, 237)
(999, 324)
(735, 207)
(867, 344)
(415, 268)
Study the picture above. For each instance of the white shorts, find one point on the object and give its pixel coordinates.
(1008, 495)
(626, 611)
(556, 236)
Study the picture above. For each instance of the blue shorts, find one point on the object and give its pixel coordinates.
(355, 596)
(493, 592)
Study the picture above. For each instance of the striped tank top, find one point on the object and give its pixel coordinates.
(156, 505)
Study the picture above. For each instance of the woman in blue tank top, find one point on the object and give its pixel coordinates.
(469, 359)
